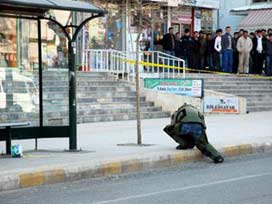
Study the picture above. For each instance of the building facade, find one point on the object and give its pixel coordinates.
(226, 18)
(120, 25)
(117, 30)
(246, 14)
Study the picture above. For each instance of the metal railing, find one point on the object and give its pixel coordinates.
(151, 63)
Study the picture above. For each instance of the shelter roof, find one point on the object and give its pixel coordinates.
(38, 8)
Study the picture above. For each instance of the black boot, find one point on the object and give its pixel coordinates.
(181, 147)
(218, 160)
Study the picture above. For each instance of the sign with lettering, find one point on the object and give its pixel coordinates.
(184, 87)
(217, 104)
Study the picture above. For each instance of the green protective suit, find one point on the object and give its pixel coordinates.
(188, 114)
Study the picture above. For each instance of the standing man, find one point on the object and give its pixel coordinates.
(178, 45)
(258, 52)
(196, 51)
(169, 42)
(227, 51)
(203, 49)
(244, 46)
(236, 36)
(218, 50)
(210, 51)
(186, 48)
(269, 56)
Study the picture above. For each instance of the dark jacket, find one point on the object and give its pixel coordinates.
(203, 46)
(269, 48)
(210, 48)
(186, 45)
(178, 50)
(196, 44)
(167, 42)
(255, 44)
(225, 41)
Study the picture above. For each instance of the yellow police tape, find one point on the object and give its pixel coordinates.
(194, 70)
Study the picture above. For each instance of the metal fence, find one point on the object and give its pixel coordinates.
(151, 63)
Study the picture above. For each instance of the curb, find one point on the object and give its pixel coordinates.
(123, 166)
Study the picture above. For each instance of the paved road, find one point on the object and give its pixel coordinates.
(242, 180)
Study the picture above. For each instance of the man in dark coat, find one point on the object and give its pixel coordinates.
(258, 52)
(169, 42)
(236, 36)
(186, 48)
(203, 49)
(196, 51)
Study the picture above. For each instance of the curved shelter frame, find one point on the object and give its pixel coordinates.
(40, 10)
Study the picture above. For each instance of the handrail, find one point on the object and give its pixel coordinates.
(122, 63)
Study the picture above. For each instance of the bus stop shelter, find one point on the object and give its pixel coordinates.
(38, 11)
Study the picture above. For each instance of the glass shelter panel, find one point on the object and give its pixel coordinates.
(55, 75)
(19, 90)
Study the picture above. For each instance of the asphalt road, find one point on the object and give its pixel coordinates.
(241, 180)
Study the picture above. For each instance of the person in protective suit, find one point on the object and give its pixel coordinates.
(188, 129)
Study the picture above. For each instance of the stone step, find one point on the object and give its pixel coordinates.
(219, 76)
(93, 94)
(259, 103)
(86, 112)
(91, 106)
(242, 91)
(58, 73)
(88, 89)
(78, 78)
(107, 94)
(120, 117)
(108, 100)
(254, 95)
(240, 87)
(109, 105)
(259, 108)
(249, 80)
(84, 83)
(238, 83)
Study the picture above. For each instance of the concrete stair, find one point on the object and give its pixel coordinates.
(100, 97)
(258, 91)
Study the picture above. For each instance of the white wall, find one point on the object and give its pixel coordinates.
(225, 18)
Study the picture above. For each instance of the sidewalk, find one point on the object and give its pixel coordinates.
(101, 156)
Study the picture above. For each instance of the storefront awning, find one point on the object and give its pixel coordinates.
(246, 9)
(38, 8)
(257, 19)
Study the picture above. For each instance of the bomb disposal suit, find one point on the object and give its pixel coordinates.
(188, 128)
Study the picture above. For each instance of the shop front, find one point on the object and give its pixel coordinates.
(182, 18)
(203, 20)
(155, 16)
(108, 32)
(195, 15)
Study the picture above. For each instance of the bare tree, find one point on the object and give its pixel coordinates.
(137, 76)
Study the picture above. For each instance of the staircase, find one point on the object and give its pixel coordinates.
(258, 92)
(100, 97)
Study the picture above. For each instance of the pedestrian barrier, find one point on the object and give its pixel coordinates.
(151, 64)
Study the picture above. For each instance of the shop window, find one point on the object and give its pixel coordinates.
(8, 42)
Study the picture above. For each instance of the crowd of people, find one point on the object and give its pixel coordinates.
(242, 53)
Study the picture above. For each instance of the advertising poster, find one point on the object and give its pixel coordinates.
(221, 105)
(184, 87)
